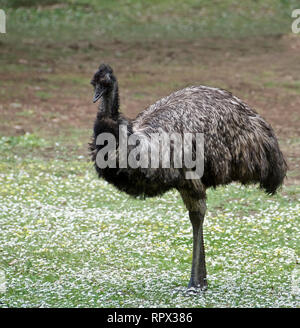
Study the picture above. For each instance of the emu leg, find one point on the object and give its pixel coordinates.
(198, 274)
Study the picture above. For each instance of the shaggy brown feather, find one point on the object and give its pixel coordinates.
(239, 145)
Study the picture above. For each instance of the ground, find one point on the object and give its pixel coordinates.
(71, 240)
(263, 72)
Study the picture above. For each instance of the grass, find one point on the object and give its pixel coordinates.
(43, 25)
(70, 240)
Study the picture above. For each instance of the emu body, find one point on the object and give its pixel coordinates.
(239, 145)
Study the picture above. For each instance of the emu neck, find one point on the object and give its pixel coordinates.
(110, 103)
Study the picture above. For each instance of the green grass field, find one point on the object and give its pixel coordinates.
(139, 20)
(70, 240)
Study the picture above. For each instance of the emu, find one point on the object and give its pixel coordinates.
(239, 145)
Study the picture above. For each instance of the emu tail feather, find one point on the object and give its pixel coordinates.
(276, 170)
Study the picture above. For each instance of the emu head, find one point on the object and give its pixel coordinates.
(103, 81)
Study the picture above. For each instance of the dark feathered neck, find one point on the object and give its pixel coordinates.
(109, 107)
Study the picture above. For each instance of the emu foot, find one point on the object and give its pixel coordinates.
(197, 286)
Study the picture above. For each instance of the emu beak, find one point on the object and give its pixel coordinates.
(98, 94)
